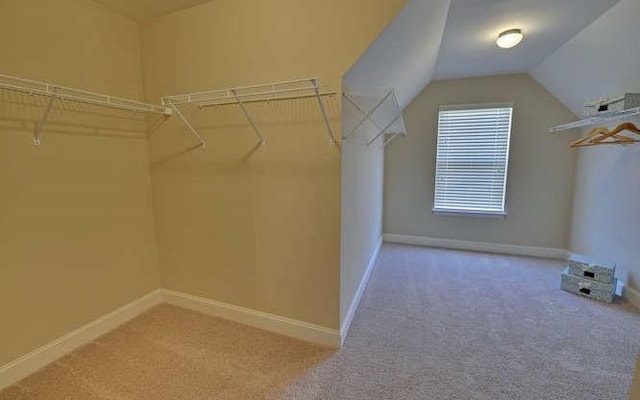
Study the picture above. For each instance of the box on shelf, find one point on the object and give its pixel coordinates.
(588, 288)
(588, 268)
(611, 104)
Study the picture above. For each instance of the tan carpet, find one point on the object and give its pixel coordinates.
(434, 324)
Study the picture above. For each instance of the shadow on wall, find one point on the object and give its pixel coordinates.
(231, 141)
(20, 113)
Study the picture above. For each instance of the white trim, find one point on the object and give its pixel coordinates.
(470, 214)
(50, 352)
(529, 251)
(258, 319)
(631, 294)
(28, 364)
(348, 319)
(479, 106)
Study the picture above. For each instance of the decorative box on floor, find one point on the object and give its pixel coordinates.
(585, 267)
(588, 278)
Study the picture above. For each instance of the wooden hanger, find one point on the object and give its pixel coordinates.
(591, 135)
(598, 135)
(627, 126)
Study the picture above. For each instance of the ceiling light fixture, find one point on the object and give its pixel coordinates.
(510, 38)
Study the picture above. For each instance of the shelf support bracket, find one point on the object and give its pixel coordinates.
(188, 124)
(314, 81)
(383, 130)
(386, 142)
(157, 126)
(366, 115)
(40, 125)
(248, 116)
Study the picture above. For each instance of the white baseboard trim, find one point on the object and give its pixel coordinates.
(631, 294)
(45, 355)
(348, 319)
(529, 251)
(258, 319)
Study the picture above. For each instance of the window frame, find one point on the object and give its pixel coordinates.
(462, 212)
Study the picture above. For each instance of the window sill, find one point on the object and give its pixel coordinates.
(469, 214)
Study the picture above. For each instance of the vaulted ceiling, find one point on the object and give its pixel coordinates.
(601, 60)
(405, 54)
(469, 42)
(419, 46)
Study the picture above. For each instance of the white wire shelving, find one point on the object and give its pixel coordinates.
(598, 119)
(53, 92)
(241, 96)
(381, 109)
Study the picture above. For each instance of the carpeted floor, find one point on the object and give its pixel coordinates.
(433, 324)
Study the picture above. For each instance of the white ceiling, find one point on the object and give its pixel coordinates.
(468, 46)
(404, 56)
(143, 9)
(575, 73)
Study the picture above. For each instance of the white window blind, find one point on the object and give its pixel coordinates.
(472, 160)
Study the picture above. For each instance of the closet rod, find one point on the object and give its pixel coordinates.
(83, 96)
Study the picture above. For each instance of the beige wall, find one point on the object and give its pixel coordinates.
(254, 226)
(608, 176)
(362, 179)
(606, 207)
(402, 58)
(76, 222)
(541, 170)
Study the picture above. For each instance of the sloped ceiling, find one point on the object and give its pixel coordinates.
(469, 42)
(603, 59)
(143, 9)
(404, 56)
(445, 39)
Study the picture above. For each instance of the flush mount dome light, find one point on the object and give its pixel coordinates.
(510, 38)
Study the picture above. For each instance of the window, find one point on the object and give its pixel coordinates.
(472, 160)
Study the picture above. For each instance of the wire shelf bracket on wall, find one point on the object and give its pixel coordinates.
(382, 129)
(598, 119)
(241, 96)
(57, 92)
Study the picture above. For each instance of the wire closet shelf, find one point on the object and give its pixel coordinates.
(393, 125)
(241, 96)
(599, 119)
(54, 92)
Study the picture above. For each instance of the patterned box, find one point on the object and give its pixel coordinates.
(588, 288)
(587, 268)
(612, 104)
